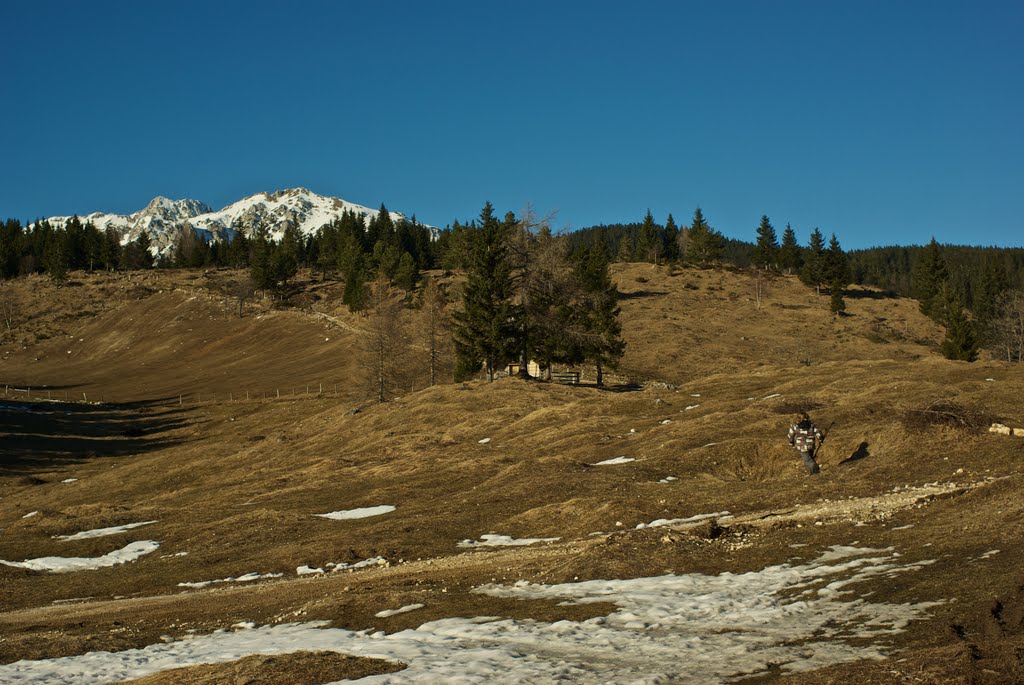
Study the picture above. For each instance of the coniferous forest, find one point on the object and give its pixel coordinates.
(531, 294)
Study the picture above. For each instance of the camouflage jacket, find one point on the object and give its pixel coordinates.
(802, 436)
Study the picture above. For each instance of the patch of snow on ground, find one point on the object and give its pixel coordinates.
(102, 532)
(668, 479)
(248, 577)
(773, 396)
(70, 480)
(484, 441)
(30, 514)
(492, 540)
(392, 612)
(690, 522)
(675, 628)
(308, 570)
(372, 561)
(129, 552)
(692, 406)
(363, 513)
(616, 460)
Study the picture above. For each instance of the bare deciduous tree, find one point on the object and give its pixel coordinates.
(1006, 331)
(436, 330)
(386, 342)
(9, 305)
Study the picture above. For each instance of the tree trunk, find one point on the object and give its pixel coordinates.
(600, 374)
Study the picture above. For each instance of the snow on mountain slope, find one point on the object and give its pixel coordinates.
(165, 220)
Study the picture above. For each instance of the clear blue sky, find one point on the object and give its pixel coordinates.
(884, 122)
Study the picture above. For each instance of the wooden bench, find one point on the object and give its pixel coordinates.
(566, 377)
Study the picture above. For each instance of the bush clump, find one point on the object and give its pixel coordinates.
(947, 413)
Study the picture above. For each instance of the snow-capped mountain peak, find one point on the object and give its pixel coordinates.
(165, 220)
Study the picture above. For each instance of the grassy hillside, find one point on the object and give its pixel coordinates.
(234, 487)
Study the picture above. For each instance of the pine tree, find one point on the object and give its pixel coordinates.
(767, 247)
(929, 275)
(703, 243)
(837, 266)
(790, 258)
(814, 269)
(485, 331)
(603, 343)
(837, 305)
(671, 240)
(259, 263)
(961, 341)
(648, 247)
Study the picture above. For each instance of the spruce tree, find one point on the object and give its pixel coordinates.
(703, 243)
(648, 246)
(961, 342)
(813, 273)
(671, 239)
(602, 331)
(767, 247)
(929, 275)
(790, 258)
(485, 331)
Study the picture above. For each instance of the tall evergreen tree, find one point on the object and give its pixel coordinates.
(929, 275)
(961, 341)
(767, 246)
(485, 331)
(602, 330)
(671, 239)
(814, 269)
(790, 258)
(703, 243)
(648, 247)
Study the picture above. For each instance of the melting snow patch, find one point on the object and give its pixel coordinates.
(492, 540)
(102, 532)
(248, 577)
(773, 396)
(30, 514)
(692, 406)
(673, 628)
(70, 480)
(484, 441)
(666, 421)
(391, 612)
(690, 522)
(909, 525)
(307, 570)
(616, 460)
(363, 513)
(372, 561)
(668, 479)
(129, 552)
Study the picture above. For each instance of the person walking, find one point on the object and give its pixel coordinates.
(804, 436)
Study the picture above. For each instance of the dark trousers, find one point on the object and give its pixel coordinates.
(809, 463)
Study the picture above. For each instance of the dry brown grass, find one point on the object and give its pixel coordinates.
(237, 484)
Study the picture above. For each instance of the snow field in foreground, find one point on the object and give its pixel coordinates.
(695, 628)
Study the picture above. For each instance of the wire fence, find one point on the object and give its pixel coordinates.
(292, 392)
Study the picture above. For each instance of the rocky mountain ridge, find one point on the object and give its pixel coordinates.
(164, 220)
